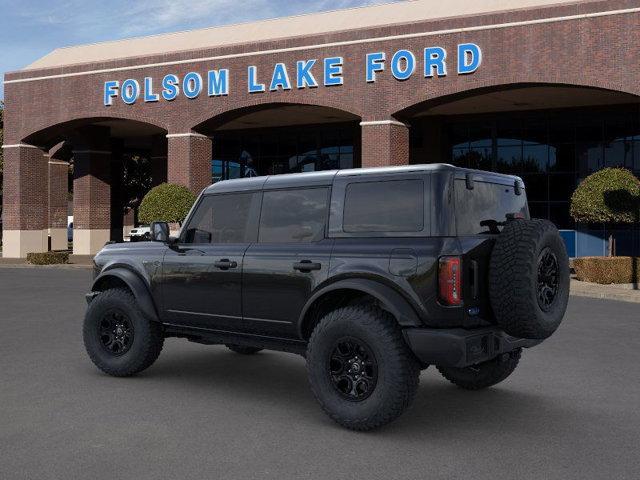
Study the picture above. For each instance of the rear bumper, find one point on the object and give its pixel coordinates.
(457, 347)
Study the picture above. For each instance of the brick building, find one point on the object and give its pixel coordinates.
(547, 89)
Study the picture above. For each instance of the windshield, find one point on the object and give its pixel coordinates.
(484, 209)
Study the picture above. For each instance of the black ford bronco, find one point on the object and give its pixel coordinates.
(371, 274)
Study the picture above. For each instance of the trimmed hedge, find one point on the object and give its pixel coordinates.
(606, 270)
(48, 258)
(166, 203)
(611, 195)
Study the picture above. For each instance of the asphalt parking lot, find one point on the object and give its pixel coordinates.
(571, 410)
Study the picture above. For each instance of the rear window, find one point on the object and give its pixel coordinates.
(485, 208)
(389, 206)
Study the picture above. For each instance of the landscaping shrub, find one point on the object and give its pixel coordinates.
(167, 203)
(48, 258)
(611, 195)
(606, 270)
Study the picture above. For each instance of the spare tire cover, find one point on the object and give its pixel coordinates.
(529, 278)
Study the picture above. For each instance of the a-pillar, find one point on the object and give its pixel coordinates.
(189, 160)
(158, 160)
(384, 143)
(58, 191)
(25, 210)
(91, 191)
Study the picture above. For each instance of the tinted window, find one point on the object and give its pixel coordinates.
(293, 215)
(485, 208)
(224, 219)
(391, 206)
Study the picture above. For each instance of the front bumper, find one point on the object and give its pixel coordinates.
(457, 347)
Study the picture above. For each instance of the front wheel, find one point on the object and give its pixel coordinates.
(483, 375)
(119, 339)
(360, 369)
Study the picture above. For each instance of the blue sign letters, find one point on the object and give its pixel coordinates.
(431, 62)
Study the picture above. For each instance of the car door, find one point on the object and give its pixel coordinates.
(202, 272)
(289, 260)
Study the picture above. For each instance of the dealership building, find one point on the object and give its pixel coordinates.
(545, 89)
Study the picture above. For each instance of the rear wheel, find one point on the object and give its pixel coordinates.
(241, 349)
(483, 375)
(119, 339)
(360, 369)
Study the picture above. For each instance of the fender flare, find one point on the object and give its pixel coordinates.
(392, 301)
(137, 286)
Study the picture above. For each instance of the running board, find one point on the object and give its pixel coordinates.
(217, 337)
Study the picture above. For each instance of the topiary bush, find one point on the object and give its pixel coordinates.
(48, 258)
(167, 203)
(607, 270)
(611, 195)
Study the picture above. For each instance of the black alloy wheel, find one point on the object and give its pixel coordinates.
(353, 369)
(116, 333)
(547, 279)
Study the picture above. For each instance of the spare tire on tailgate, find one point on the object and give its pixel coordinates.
(529, 278)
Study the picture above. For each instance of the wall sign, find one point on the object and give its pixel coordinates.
(309, 73)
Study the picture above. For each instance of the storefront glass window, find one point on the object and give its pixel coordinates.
(256, 152)
(551, 150)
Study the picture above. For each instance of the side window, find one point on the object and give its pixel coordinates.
(384, 206)
(296, 215)
(227, 218)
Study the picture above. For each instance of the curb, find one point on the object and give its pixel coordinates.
(604, 292)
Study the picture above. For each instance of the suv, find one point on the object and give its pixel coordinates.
(371, 274)
(140, 233)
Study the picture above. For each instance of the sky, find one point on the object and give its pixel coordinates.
(29, 29)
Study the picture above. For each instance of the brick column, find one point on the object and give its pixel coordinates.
(58, 191)
(158, 160)
(91, 189)
(25, 210)
(91, 200)
(189, 160)
(384, 143)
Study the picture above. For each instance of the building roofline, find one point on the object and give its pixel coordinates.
(282, 28)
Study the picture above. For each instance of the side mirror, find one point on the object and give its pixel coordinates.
(159, 232)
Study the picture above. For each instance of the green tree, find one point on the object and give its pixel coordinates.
(609, 196)
(166, 202)
(136, 179)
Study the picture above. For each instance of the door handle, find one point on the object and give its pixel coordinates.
(306, 266)
(225, 264)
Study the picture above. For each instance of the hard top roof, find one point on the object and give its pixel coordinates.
(326, 177)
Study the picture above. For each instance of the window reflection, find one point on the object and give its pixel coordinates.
(255, 152)
(551, 150)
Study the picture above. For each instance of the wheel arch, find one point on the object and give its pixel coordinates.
(345, 291)
(122, 277)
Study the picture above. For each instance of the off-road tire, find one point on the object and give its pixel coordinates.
(484, 374)
(242, 350)
(147, 342)
(398, 370)
(514, 278)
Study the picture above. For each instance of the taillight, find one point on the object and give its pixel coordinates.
(450, 281)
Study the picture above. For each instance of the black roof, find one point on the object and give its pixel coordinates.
(326, 177)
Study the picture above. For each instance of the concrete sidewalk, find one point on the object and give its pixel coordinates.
(623, 292)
